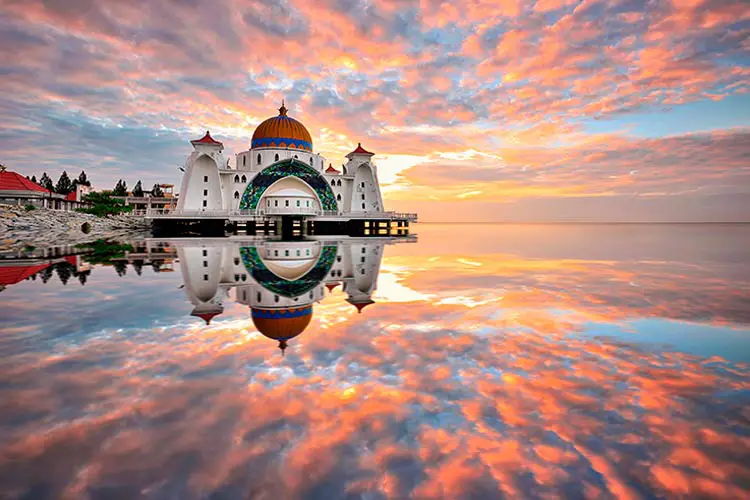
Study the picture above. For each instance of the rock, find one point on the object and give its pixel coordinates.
(44, 227)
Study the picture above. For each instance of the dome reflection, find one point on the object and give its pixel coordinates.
(278, 280)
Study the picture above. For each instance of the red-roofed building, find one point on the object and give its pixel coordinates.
(11, 274)
(15, 189)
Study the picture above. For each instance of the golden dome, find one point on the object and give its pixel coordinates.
(282, 132)
(282, 324)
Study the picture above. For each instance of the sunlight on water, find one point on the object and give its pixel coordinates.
(476, 362)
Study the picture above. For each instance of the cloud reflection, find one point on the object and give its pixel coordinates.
(468, 389)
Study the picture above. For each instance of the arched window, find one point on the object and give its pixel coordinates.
(333, 182)
(244, 160)
(244, 179)
(259, 297)
(276, 158)
(258, 158)
(296, 157)
(363, 206)
(338, 182)
(275, 298)
(236, 178)
(338, 197)
(311, 161)
(236, 195)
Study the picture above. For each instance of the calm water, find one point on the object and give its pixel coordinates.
(486, 362)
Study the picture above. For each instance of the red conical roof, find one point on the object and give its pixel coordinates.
(207, 139)
(331, 170)
(11, 181)
(360, 151)
(207, 317)
(360, 304)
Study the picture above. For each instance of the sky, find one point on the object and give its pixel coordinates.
(477, 110)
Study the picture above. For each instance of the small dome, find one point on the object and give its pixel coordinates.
(282, 132)
(282, 324)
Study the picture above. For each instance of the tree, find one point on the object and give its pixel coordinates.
(156, 191)
(137, 266)
(121, 267)
(64, 272)
(46, 182)
(33, 179)
(46, 273)
(64, 186)
(83, 276)
(103, 204)
(121, 189)
(83, 180)
(138, 189)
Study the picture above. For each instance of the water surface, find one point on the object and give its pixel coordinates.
(481, 361)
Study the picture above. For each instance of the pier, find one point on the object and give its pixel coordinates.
(278, 222)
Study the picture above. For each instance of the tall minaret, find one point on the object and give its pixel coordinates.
(201, 185)
(201, 268)
(365, 261)
(366, 195)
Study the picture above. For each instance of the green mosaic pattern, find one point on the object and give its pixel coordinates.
(290, 289)
(284, 168)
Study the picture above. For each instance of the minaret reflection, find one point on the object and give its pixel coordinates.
(278, 280)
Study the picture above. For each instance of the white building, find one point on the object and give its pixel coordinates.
(280, 175)
(278, 280)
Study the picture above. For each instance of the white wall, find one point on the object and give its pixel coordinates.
(201, 183)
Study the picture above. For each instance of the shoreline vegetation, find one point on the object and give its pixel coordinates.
(21, 228)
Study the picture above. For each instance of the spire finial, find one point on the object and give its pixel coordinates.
(282, 109)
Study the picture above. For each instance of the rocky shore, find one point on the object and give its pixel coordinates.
(47, 228)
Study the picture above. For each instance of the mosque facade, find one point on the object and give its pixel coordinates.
(279, 281)
(281, 176)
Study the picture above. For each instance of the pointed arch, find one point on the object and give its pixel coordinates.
(236, 195)
(236, 178)
(244, 179)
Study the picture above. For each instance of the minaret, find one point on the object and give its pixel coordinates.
(201, 186)
(366, 195)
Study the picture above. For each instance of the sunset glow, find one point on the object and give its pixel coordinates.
(477, 110)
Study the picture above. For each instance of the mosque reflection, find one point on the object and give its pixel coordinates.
(278, 280)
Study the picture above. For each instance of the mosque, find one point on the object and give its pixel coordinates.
(278, 280)
(281, 181)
